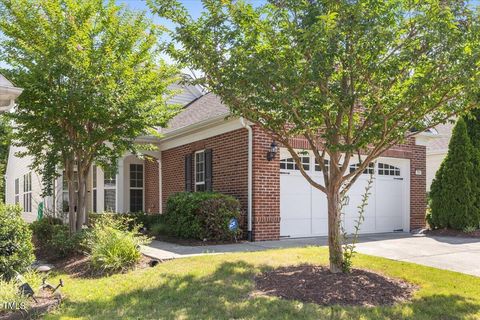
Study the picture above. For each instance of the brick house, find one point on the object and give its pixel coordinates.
(205, 149)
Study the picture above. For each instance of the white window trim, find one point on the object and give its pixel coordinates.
(109, 187)
(137, 188)
(17, 191)
(201, 183)
(27, 192)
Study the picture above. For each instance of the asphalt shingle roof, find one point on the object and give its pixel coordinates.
(205, 107)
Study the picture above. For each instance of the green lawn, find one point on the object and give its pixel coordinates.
(219, 286)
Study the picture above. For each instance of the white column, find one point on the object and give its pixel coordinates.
(120, 186)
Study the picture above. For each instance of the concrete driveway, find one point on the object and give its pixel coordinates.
(449, 253)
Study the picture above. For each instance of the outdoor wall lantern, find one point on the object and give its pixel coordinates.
(273, 151)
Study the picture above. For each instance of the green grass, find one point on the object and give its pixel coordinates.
(219, 287)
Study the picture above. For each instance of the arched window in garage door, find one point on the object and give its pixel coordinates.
(290, 164)
(388, 170)
(368, 170)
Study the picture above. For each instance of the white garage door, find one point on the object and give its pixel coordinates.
(303, 208)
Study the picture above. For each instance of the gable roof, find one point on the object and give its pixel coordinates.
(205, 107)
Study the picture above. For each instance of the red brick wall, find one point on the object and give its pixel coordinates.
(418, 187)
(230, 159)
(266, 189)
(151, 186)
(230, 176)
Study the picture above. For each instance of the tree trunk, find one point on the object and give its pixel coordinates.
(81, 199)
(72, 218)
(334, 235)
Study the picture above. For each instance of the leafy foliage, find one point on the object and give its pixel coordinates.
(201, 215)
(16, 249)
(53, 235)
(5, 131)
(351, 77)
(112, 246)
(93, 82)
(453, 192)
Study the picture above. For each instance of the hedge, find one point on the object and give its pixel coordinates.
(201, 215)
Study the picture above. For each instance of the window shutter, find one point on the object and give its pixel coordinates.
(188, 172)
(208, 170)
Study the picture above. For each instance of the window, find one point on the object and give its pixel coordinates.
(368, 170)
(200, 171)
(136, 187)
(326, 163)
(27, 192)
(94, 188)
(17, 191)
(290, 164)
(110, 191)
(388, 170)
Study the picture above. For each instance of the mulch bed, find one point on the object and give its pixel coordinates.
(317, 284)
(453, 233)
(193, 242)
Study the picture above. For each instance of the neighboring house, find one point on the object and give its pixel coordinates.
(205, 149)
(437, 150)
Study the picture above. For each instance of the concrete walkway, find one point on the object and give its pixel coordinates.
(449, 253)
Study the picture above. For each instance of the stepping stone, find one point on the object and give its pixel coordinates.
(45, 268)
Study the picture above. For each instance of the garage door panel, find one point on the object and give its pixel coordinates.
(319, 227)
(304, 208)
(295, 227)
(367, 226)
(319, 205)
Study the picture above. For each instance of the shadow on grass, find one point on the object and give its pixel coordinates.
(226, 294)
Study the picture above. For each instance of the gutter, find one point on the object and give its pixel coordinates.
(250, 177)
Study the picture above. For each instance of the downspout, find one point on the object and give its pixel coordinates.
(250, 178)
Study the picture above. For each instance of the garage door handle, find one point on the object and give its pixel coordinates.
(284, 172)
(398, 178)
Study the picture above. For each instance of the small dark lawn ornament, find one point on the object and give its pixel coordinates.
(24, 288)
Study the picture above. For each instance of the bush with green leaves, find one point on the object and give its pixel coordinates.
(112, 245)
(52, 234)
(454, 191)
(201, 215)
(136, 219)
(16, 249)
(43, 229)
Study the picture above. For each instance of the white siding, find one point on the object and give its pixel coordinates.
(187, 94)
(16, 169)
(433, 164)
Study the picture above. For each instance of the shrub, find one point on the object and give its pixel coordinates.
(112, 245)
(16, 249)
(201, 215)
(43, 229)
(63, 244)
(453, 193)
(133, 220)
(53, 234)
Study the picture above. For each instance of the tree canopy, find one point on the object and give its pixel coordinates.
(351, 77)
(93, 82)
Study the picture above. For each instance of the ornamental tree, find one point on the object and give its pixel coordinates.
(454, 190)
(93, 82)
(351, 77)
